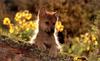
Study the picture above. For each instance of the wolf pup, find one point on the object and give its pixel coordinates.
(46, 34)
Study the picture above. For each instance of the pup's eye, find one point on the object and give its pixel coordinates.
(53, 23)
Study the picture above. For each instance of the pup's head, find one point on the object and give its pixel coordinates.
(47, 20)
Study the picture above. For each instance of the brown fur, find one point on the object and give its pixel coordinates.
(45, 38)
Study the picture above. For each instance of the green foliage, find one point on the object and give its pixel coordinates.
(26, 35)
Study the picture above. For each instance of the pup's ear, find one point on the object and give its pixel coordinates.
(54, 16)
(50, 13)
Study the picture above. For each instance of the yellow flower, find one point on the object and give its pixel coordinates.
(17, 28)
(28, 16)
(25, 12)
(20, 22)
(93, 37)
(27, 29)
(32, 25)
(96, 43)
(24, 25)
(85, 40)
(18, 16)
(76, 58)
(23, 20)
(17, 19)
(6, 21)
(11, 30)
(59, 26)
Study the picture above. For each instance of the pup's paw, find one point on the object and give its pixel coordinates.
(41, 46)
(54, 52)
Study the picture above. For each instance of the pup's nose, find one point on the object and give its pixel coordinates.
(52, 28)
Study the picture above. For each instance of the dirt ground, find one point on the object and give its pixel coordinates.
(12, 51)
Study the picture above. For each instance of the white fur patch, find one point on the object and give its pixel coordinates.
(32, 40)
(56, 39)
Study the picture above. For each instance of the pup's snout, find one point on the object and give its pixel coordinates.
(52, 29)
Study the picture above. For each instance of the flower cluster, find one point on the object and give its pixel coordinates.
(87, 40)
(89, 37)
(7, 22)
(23, 21)
(23, 15)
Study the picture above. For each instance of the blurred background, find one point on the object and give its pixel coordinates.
(76, 16)
(80, 19)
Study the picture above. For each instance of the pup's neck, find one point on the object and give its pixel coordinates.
(49, 33)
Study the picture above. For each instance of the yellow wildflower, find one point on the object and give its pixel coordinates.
(76, 58)
(20, 22)
(23, 20)
(17, 28)
(11, 30)
(32, 25)
(59, 26)
(16, 19)
(24, 25)
(6, 21)
(27, 29)
(93, 37)
(28, 16)
(18, 16)
(85, 40)
(25, 12)
(96, 43)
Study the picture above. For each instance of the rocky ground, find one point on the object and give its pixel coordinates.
(12, 51)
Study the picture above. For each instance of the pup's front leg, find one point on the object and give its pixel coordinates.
(40, 45)
(54, 51)
(39, 41)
